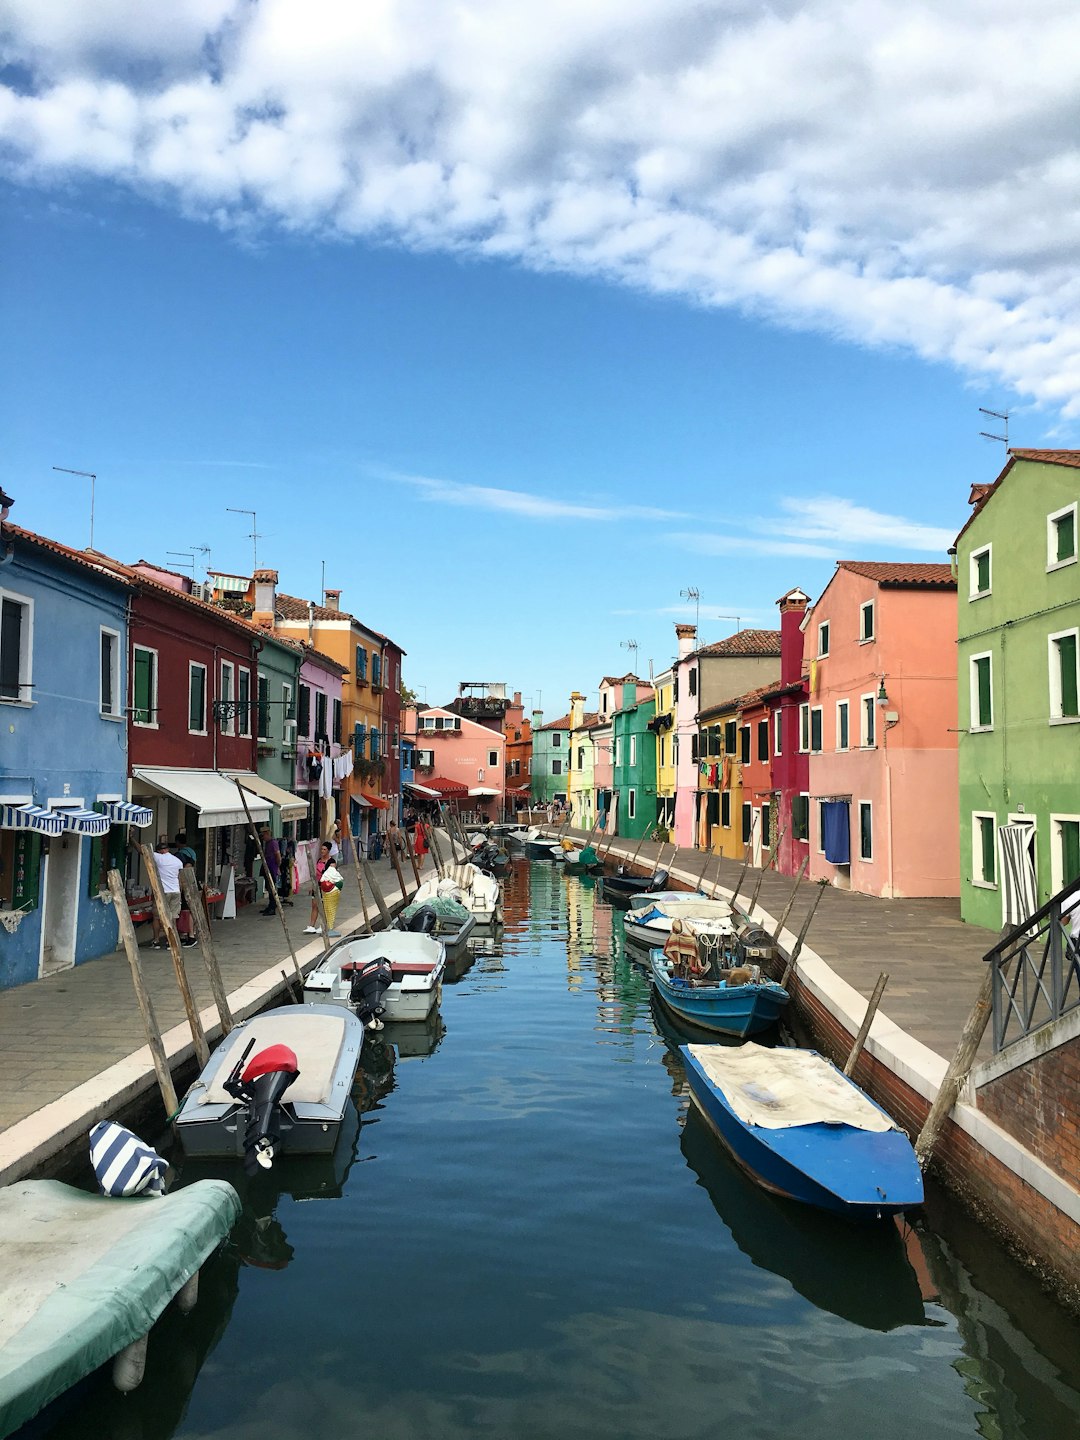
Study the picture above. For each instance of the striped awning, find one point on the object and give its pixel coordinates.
(83, 822)
(122, 812)
(31, 817)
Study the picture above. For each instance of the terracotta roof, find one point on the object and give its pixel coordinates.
(628, 679)
(563, 723)
(588, 719)
(980, 494)
(326, 661)
(752, 697)
(292, 607)
(900, 575)
(748, 644)
(1049, 457)
(86, 559)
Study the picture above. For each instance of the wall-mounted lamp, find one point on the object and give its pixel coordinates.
(882, 697)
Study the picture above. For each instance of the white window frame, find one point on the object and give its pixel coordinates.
(631, 804)
(427, 722)
(820, 827)
(1057, 881)
(228, 717)
(845, 706)
(117, 711)
(493, 757)
(1052, 562)
(1054, 667)
(146, 724)
(974, 727)
(980, 881)
(823, 640)
(26, 655)
(866, 805)
(617, 751)
(260, 676)
(556, 739)
(974, 593)
(556, 761)
(804, 728)
(867, 732)
(243, 712)
(633, 750)
(865, 638)
(816, 710)
(286, 706)
(778, 732)
(198, 665)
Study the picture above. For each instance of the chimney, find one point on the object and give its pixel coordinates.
(687, 638)
(537, 719)
(517, 698)
(332, 599)
(577, 709)
(265, 582)
(792, 609)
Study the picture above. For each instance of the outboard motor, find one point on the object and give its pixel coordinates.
(367, 988)
(424, 922)
(659, 881)
(260, 1087)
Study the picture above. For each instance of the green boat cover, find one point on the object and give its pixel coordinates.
(83, 1276)
(444, 905)
(588, 856)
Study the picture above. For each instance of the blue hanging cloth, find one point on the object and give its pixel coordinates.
(836, 831)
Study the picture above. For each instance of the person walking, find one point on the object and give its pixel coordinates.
(168, 867)
(331, 883)
(313, 927)
(285, 876)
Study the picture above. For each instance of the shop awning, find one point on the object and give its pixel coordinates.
(290, 805)
(484, 791)
(84, 822)
(422, 789)
(376, 801)
(214, 796)
(120, 812)
(30, 817)
(449, 787)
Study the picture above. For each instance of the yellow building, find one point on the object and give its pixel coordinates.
(580, 784)
(719, 798)
(667, 753)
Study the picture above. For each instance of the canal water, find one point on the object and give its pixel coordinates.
(530, 1234)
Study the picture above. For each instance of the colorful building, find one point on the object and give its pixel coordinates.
(667, 746)
(1019, 676)
(319, 748)
(758, 801)
(581, 788)
(460, 760)
(879, 730)
(719, 810)
(634, 760)
(790, 760)
(517, 730)
(550, 760)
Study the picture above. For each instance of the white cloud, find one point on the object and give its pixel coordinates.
(881, 171)
(522, 502)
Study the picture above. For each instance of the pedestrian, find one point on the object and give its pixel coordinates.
(313, 927)
(272, 854)
(419, 841)
(335, 842)
(331, 883)
(168, 867)
(285, 875)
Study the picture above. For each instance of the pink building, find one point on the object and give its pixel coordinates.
(318, 741)
(880, 728)
(464, 761)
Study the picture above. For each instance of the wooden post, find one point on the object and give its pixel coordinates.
(365, 865)
(705, 866)
(637, 852)
(190, 887)
(791, 898)
(958, 1070)
(412, 855)
(392, 835)
(146, 1005)
(202, 1049)
(793, 959)
(607, 816)
(761, 873)
(360, 887)
(746, 862)
(277, 898)
(867, 1021)
(436, 850)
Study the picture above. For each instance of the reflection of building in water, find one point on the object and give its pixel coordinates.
(579, 929)
(517, 895)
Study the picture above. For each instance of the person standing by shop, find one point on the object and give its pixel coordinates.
(331, 883)
(168, 867)
(313, 927)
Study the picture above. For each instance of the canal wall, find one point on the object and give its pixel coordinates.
(1010, 1149)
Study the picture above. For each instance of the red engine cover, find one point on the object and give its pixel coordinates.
(273, 1058)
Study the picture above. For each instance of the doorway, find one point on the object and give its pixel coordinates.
(62, 868)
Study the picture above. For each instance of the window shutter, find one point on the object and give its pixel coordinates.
(983, 670)
(1066, 648)
(143, 687)
(1066, 536)
(25, 890)
(303, 711)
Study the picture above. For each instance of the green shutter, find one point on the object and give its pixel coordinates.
(1070, 851)
(984, 716)
(982, 571)
(144, 688)
(1065, 527)
(986, 846)
(842, 727)
(26, 888)
(815, 730)
(196, 698)
(1066, 648)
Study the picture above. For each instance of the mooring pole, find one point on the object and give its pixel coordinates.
(867, 1021)
(198, 1035)
(142, 994)
(791, 898)
(957, 1071)
(793, 959)
(277, 898)
(190, 887)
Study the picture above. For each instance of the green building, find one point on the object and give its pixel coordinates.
(550, 760)
(1019, 720)
(634, 762)
(275, 709)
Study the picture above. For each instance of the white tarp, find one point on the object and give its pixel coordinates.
(1018, 873)
(776, 1089)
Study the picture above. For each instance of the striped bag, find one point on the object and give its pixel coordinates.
(123, 1164)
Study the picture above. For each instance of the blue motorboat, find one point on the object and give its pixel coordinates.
(714, 1004)
(802, 1129)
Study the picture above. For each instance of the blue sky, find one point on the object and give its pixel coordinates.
(513, 442)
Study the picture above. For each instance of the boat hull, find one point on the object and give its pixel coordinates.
(738, 1010)
(858, 1174)
(418, 963)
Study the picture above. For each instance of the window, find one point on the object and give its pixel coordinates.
(264, 708)
(376, 670)
(631, 805)
(766, 826)
(16, 648)
(321, 708)
(800, 817)
(1061, 537)
(556, 767)
(580, 757)
(843, 737)
(359, 743)
(243, 701)
(821, 827)
(979, 580)
(303, 712)
(144, 663)
(725, 809)
(425, 759)
(633, 750)
(196, 698)
(692, 683)
(866, 622)
(744, 744)
(1064, 676)
(427, 722)
(804, 728)
(779, 732)
(823, 639)
(763, 740)
(110, 672)
(981, 686)
(20, 869)
(731, 743)
(695, 745)
(866, 831)
(493, 757)
(1064, 852)
(336, 736)
(747, 823)
(556, 739)
(287, 712)
(815, 730)
(225, 695)
(376, 739)
(361, 665)
(867, 737)
(983, 851)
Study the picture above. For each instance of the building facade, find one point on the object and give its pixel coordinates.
(550, 760)
(667, 747)
(634, 761)
(461, 760)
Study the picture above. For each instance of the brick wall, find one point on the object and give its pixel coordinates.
(1037, 1103)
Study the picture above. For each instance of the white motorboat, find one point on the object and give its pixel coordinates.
(480, 893)
(650, 925)
(416, 964)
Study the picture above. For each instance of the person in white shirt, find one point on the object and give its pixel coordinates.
(168, 867)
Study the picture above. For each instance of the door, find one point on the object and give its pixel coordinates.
(62, 870)
(1006, 889)
(759, 822)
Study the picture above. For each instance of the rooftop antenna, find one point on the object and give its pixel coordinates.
(254, 537)
(322, 593)
(693, 593)
(204, 550)
(1003, 416)
(632, 646)
(186, 557)
(87, 475)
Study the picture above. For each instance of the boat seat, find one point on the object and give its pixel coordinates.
(316, 1039)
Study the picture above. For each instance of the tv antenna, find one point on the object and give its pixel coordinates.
(86, 475)
(204, 550)
(254, 537)
(632, 646)
(186, 557)
(1003, 416)
(693, 593)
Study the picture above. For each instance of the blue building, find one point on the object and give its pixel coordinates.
(63, 755)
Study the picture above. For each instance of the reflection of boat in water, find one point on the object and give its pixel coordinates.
(861, 1273)
(415, 1041)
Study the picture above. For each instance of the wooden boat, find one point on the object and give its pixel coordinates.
(453, 924)
(620, 889)
(478, 892)
(650, 925)
(539, 846)
(416, 961)
(303, 1114)
(804, 1130)
(713, 1004)
(583, 862)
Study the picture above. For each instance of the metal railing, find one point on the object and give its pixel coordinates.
(1036, 970)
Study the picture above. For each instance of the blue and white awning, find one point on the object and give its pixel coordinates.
(122, 812)
(83, 822)
(30, 817)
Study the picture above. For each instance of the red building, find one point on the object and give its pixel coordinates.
(391, 721)
(755, 762)
(517, 730)
(791, 740)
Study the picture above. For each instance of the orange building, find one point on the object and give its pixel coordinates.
(517, 728)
